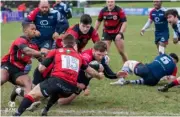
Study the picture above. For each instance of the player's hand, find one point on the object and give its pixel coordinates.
(142, 32)
(120, 74)
(101, 75)
(86, 92)
(175, 41)
(55, 36)
(101, 68)
(118, 36)
(37, 33)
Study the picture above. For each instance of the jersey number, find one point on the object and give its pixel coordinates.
(165, 60)
(69, 62)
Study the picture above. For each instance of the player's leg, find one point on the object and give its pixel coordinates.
(119, 42)
(24, 85)
(107, 39)
(163, 42)
(68, 100)
(166, 87)
(83, 82)
(128, 68)
(57, 87)
(34, 95)
(4, 75)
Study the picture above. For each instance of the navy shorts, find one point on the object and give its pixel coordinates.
(143, 71)
(161, 37)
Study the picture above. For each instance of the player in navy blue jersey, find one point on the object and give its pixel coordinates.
(150, 74)
(66, 12)
(174, 20)
(157, 15)
(47, 22)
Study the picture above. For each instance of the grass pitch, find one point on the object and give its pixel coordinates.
(105, 99)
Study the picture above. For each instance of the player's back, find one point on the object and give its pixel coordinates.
(67, 63)
(163, 65)
(159, 19)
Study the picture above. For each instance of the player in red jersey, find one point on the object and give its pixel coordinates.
(97, 53)
(20, 54)
(114, 26)
(83, 32)
(63, 80)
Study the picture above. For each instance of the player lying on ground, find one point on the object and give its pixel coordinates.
(151, 73)
(166, 87)
(174, 20)
(96, 58)
(115, 23)
(63, 80)
(157, 15)
(20, 54)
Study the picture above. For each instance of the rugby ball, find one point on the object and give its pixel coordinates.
(95, 65)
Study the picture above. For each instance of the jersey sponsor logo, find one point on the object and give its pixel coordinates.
(115, 17)
(47, 45)
(153, 14)
(61, 50)
(104, 17)
(162, 39)
(70, 62)
(156, 19)
(50, 17)
(44, 22)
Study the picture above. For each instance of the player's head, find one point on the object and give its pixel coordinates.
(99, 50)
(110, 4)
(85, 23)
(58, 1)
(69, 41)
(29, 29)
(175, 57)
(44, 6)
(157, 4)
(172, 16)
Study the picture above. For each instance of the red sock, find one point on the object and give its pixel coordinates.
(176, 82)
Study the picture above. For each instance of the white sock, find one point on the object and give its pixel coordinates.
(161, 49)
(18, 90)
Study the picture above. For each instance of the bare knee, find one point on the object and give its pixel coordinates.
(4, 76)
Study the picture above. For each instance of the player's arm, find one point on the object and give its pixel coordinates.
(95, 36)
(107, 70)
(175, 38)
(32, 15)
(68, 11)
(99, 20)
(47, 61)
(59, 21)
(22, 44)
(148, 24)
(123, 19)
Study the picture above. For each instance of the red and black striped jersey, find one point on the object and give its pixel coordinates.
(112, 19)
